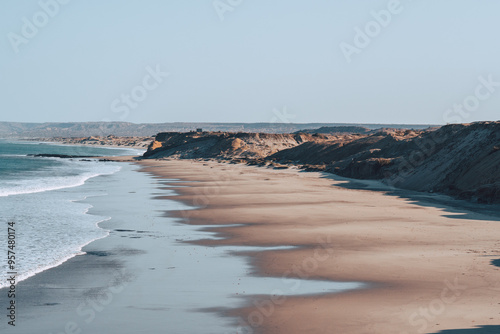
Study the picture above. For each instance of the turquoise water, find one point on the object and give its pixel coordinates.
(23, 174)
(40, 195)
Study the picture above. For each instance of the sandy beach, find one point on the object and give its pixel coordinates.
(207, 247)
(428, 264)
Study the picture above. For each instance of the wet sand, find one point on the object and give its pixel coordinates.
(149, 275)
(140, 279)
(428, 263)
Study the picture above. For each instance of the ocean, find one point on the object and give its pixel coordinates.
(41, 196)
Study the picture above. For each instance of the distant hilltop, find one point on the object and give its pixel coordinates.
(338, 129)
(124, 129)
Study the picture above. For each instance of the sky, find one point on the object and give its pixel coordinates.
(332, 61)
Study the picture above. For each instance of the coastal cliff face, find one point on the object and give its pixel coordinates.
(462, 160)
(224, 145)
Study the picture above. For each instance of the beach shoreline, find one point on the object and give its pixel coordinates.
(145, 274)
(425, 266)
(120, 279)
(431, 264)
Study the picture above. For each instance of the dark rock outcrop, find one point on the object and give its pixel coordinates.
(62, 156)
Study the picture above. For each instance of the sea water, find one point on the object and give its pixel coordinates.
(40, 195)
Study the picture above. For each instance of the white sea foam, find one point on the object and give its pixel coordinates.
(36, 264)
(40, 182)
(51, 230)
(41, 196)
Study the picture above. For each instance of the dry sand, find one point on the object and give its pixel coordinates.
(429, 266)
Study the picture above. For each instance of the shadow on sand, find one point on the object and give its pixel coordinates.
(456, 209)
(452, 208)
(478, 330)
(496, 263)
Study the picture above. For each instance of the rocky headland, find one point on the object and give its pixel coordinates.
(461, 160)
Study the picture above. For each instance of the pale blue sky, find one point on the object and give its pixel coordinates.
(265, 55)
